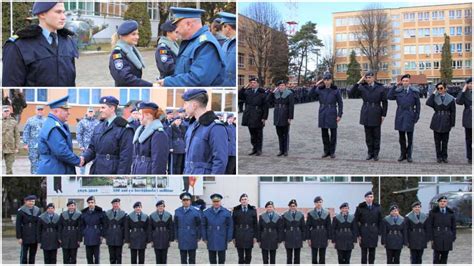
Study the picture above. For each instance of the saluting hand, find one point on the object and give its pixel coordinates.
(361, 79)
(464, 88)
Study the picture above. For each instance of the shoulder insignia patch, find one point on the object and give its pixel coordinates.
(117, 56)
(13, 38)
(118, 64)
(163, 51)
(219, 122)
(163, 58)
(57, 124)
(202, 38)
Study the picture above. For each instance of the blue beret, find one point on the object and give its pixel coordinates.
(59, 103)
(160, 202)
(230, 115)
(253, 79)
(134, 109)
(190, 94)
(327, 75)
(70, 203)
(40, 107)
(169, 111)
(181, 110)
(41, 7)
(147, 105)
(368, 193)
(115, 200)
(243, 195)
(393, 207)
(442, 198)
(318, 198)
(168, 26)
(109, 100)
(343, 205)
(127, 27)
(216, 197)
(293, 201)
(50, 205)
(219, 114)
(185, 12)
(469, 80)
(416, 203)
(406, 76)
(137, 204)
(227, 18)
(269, 203)
(185, 195)
(280, 82)
(90, 198)
(369, 73)
(30, 197)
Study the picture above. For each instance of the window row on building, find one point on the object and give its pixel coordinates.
(357, 179)
(112, 8)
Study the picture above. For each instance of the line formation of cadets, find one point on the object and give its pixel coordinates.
(150, 142)
(372, 114)
(216, 226)
(44, 54)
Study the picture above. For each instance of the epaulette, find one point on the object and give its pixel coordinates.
(202, 38)
(13, 38)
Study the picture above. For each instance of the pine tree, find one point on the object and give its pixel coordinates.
(138, 12)
(21, 10)
(446, 66)
(353, 69)
(392, 184)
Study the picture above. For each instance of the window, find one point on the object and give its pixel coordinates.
(410, 65)
(458, 13)
(384, 66)
(365, 67)
(467, 47)
(459, 47)
(326, 179)
(340, 37)
(468, 30)
(457, 64)
(423, 32)
(251, 60)
(436, 65)
(223, 100)
(395, 63)
(36, 95)
(296, 178)
(241, 60)
(357, 179)
(241, 80)
(153, 11)
(396, 56)
(280, 179)
(84, 96)
(428, 179)
(459, 30)
(409, 49)
(266, 179)
(437, 48)
(395, 24)
(421, 65)
(127, 95)
(451, 14)
(453, 47)
(396, 71)
(408, 33)
(452, 31)
(428, 65)
(409, 16)
(424, 49)
(443, 178)
(341, 179)
(341, 68)
(437, 15)
(467, 13)
(468, 64)
(311, 179)
(437, 31)
(396, 40)
(395, 47)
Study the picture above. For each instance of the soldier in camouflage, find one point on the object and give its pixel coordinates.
(85, 129)
(11, 139)
(30, 136)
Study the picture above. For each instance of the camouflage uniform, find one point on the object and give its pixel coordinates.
(10, 143)
(30, 137)
(85, 129)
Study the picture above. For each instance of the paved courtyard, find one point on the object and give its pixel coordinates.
(462, 253)
(306, 146)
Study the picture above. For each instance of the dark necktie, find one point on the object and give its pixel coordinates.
(444, 210)
(70, 215)
(319, 214)
(115, 214)
(345, 218)
(271, 216)
(139, 217)
(54, 36)
(51, 218)
(31, 210)
(160, 215)
(442, 98)
(294, 215)
(245, 209)
(254, 90)
(395, 220)
(370, 207)
(418, 216)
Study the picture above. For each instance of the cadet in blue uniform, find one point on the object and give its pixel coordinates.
(465, 98)
(393, 235)
(329, 98)
(283, 100)
(408, 113)
(150, 143)
(137, 233)
(373, 111)
(229, 47)
(443, 120)
(231, 130)
(27, 220)
(115, 231)
(442, 224)
(93, 224)
(270, 232)
(207, 141)
(126, 63)
(41, 55)
(162, 232)
(417, 227)
(344, 234)
(176, 133)
(217, 230)
(31, 133)
(55, 142)
(187, 225)
(200, 61)
(70, 233)
(111, 146)
(244, 216)
(294, 232)
(167, 50)
(318, 224)
(48, 234)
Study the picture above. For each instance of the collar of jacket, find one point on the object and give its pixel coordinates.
(170, 44)
(75, 215)
(389, 219)
(314, 213)
(96, 209)
(206, 119)
(156, 125)
(283, 94)
(132, 53)
(45, 218)
(110, 214)
(134, 216)
(26, 210)
(239, 207)
(35, 30)
(447, 99)
(340, 218)
(410, 88)
(437, 209)
(412, 216)
(156, 217)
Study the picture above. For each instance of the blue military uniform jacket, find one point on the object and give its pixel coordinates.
(124, 71)
(408, 107)
(176, 138)
(200, 62)
(165, 58)
(465, 98)
(55, 148)
(231, 130)
(217, 228)
(187, 226)
(444, 117)
(29, 60)
(93, 226)
(329, 99)
(206, 146)
(150, 149)
(375, 103)
(111, 148)
(229, 48)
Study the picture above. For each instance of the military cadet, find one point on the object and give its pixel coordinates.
(255, 113)
(176, 134)
(344, 234)
(244, 217)
(442, 224)
(319, 233)
(207, 140)
(329, 97)
(232, 131)
(84, 131)
(408, 113)
(284, 101)
(48, 234)
(216, 30)
(115, 231)
(393, 235)
(93, 224)
(443, 120)
(111, 144)
(228, 22)
(187, 224)
(162, 231)
(294, 231)
(30, 137)
(167, 50)
(373, 111)
(126, 63)
(368, 216)
(217, 229)
(70, 233)
(41, 55)
(137, 233)
(134, 119)
(55, 142)
(27, 220)
(150, 142)
(465, 98)
(201, 61)
(11, 139)
(417, 225)
(270, 230)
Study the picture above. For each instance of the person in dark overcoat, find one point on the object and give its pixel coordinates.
(294, 231)
(115, 231)
(318, 225)
(442, 224)
(70, 233)
(417, 232)
(270, 232)
(465, 98)
(244, 216)
(393, 235)
(162, 232)
(48, 234)
(26, 226)
(137, 233)
(344, 233)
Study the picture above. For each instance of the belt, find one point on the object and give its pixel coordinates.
(443, 112)
(295, 228)
(217, 227)
(281, 105)
(143, 159)
(242, 226)
(372, 104)
(93, 226)
(255, 106)
(372, 224)
(394, 232)
(116, 226)
(440, 228)
(198, 164)
(50, 230)
(344, 229)
(409, 108)
(417, 230)
(30, 224)
(328, 105)
(137, 229)
(267, 229)
(107, 156)
(160, 229)
(70, 228)
(318, 227)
